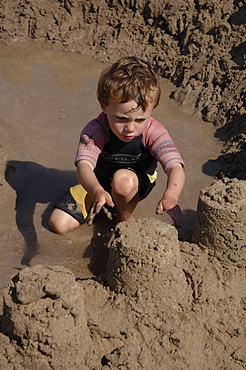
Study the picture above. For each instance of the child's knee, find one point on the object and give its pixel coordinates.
(61, 222)
(57, 227)
(125, 182)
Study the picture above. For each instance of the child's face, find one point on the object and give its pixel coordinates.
(126, 120)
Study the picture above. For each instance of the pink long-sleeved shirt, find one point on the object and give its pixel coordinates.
(95, 135)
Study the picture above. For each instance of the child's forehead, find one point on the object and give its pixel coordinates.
(128, 107)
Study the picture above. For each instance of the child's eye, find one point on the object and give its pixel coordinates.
(140, 120)
(120, 118)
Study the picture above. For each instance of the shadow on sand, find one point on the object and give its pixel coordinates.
(34, 184)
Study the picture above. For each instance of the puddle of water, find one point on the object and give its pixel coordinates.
(47, 96)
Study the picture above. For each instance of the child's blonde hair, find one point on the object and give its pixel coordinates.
(129, 79)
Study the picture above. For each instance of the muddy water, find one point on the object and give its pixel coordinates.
(46, 98)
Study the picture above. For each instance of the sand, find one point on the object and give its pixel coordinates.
(141, 295)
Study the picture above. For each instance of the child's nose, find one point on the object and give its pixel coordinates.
(129, 127)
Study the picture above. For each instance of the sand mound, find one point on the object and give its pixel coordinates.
(221, 220)
(145, 262)
(169, 308)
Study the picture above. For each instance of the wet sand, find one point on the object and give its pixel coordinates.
(47, 96)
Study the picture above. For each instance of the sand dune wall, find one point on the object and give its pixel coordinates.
(199, 45)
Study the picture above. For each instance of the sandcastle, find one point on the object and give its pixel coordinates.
(155, 300)
(221, 220)
(144, 261)
(44, 310)
(51, 315)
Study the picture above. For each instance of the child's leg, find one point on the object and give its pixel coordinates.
(61, 222)
(125, 186)
(71, 210)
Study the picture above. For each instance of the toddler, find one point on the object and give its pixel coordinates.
(118, 151)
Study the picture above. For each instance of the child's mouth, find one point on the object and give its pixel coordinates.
(128, 137)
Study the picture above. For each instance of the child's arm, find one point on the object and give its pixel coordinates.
(169, 201)
(88, 180)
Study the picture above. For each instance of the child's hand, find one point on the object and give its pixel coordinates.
(100, 199)
(174, 212)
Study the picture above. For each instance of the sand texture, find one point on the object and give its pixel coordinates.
(154, 298)
(170, 306)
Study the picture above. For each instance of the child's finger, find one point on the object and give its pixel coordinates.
(98, 208)
(90, 219)
(159, 211)
(110, 204)
(91, 216)
(175, 214)
(95, 209)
